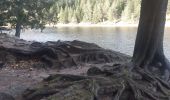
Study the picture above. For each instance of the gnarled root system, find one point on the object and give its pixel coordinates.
(116, 84)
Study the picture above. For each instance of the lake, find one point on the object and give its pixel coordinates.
(120, 39)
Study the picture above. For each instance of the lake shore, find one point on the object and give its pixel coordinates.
(88, 24)
(102, 24)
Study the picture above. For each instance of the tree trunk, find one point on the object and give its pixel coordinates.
(18, 30)
(149, 42)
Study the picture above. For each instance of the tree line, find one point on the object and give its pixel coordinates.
(95, 11)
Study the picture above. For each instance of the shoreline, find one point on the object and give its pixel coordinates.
(104, 24)
(93, 25)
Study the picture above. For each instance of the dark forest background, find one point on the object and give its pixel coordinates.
(96, 11)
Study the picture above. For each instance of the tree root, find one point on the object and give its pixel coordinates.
(124, 86)
(57, 54)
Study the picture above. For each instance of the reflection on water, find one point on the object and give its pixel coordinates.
(119, 39)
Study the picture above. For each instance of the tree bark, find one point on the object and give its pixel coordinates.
(18, 30)
(149, 42)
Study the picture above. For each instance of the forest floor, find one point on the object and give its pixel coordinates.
(16, 81)
(24, 64)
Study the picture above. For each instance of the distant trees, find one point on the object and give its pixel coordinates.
(23, 13)
(132, 10)
(118, 7)
(95, 10)
(3, 12)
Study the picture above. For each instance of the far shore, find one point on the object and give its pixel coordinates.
(104, 24)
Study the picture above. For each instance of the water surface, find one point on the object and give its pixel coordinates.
(121, 39)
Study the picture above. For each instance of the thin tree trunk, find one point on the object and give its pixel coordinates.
(149, 42)
(18, 30)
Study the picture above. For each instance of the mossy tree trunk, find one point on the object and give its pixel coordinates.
(149, 42)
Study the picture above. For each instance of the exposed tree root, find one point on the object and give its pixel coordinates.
(60, 54)
(117, 82)
(127, 85)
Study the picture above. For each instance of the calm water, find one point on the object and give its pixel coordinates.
(119, 39)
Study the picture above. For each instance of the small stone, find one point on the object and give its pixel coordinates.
(29, 76)
(31, 69)
(44, 75)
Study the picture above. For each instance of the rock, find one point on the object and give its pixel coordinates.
(4, 96)
(44, 75)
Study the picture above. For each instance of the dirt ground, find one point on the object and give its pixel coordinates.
(16, 81)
